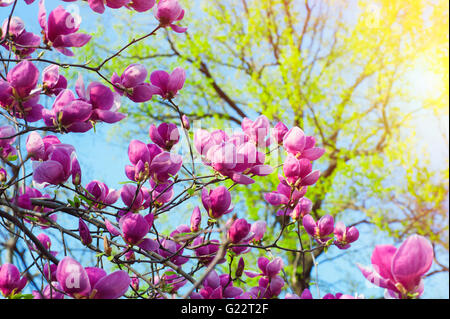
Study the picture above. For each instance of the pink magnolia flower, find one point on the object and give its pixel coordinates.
(206, 252)
(233, 156)
(24, 43)
(257, 130)
(104, 102)
(400, 271)
(18, 95)
(142, 5)
(196, 219)
(161, 193)
(217, 202)
(166, 135)
(299, 173)
(132, 84)
(141, 156)
(259, 229)
(279, 131)
(6, 148)
(46, 242)
(320, 230)
(69, 113)
(167, 12)
(90, 282)
(99, 5)
(60, 30)
(133, 199)
(174, 251)
(217, 287)
(52, 82)
(240, 231)
(10, 281)
(345, 235)
(270, 284)
(39, 148)
(23, 200)
(58, 168)
(85, 234)
(167, 85)
(170, 281)
(51, 291)
(100, 193)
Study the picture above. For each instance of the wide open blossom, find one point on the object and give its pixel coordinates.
(90, 282)
(23, 43)
(19, 95)
(400, 271)
(60, 30)
(69, 113)
(104, 102)
(234, 156)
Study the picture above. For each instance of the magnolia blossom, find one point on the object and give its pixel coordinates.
(23, 43)
(270, 283)
(105, 104)
(345, 235)
(166, 135)
(10, 281)
(400, 271)
(61, 164)
(23, 200)
(91, 282)
(167, 85)
(320, 230)
(101, 194)
(217, 202)
(6, 141)
(235, 156)
(132, 84)
(99, 5)
(60, 30)
(206, 253)
(217, 287)
(53, 82)
(18, 94)
(167, 12)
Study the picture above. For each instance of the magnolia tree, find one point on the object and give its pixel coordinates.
(42, 189)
